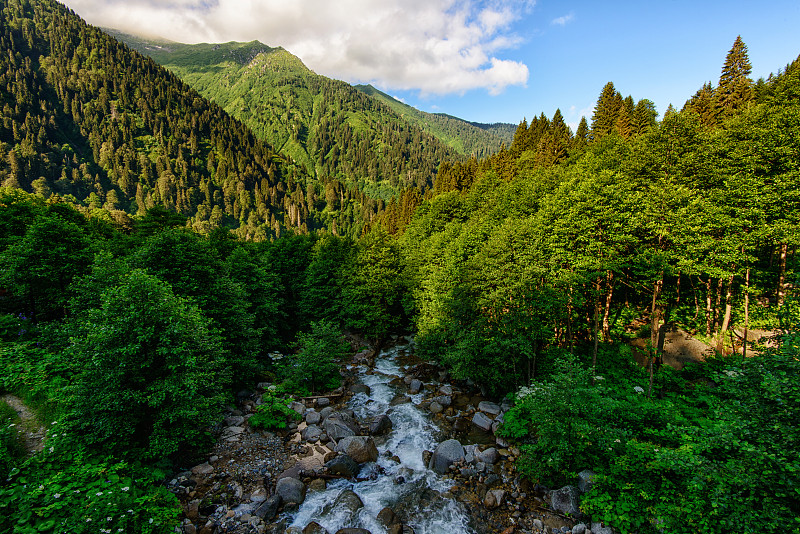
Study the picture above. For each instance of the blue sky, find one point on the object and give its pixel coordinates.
(488, 60)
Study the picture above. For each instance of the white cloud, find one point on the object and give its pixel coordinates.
(562, 21)
(434, 46)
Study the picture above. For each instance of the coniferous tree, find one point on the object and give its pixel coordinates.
(605, 111)
(644, 116)
(735, 86)
(581, 138)
(704, 103)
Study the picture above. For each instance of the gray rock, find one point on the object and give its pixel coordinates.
(380, 425)
(400, 399)
(313, 418)
(340, 425)
(362, 449)
(291, 490)
(565, 500)
(315, 528)
(446, 390)
(494, 499)
(598, 528)
(435, 407)
(269, 508)
(323, 402)
(311, 433)
(489, 456)
(537, 523)
(585, 480)
(445, 454)
(202, 469)
(353, 531)
(444, 400)
(481, 421)
(489, 407)
(344, 466)
(360, 388)
(387, 518)
(415, 386)
(347, 502)
(580, 528)
(326, 412)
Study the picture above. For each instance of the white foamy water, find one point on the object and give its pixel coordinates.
(416, 499)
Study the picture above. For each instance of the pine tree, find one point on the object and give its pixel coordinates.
(581, 135)
(624, 122)
(606, 111)
(704, 103)
(644, 116)
(735, 86)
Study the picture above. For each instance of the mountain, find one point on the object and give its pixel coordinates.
(466, 138)
(342, 137)
(89, 119)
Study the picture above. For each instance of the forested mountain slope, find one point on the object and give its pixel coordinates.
(90, 119)
(467, 138)
(339, 135)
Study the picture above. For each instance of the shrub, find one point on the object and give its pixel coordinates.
(273, 413)
(315, 367)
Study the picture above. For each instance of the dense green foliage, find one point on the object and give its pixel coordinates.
(273, 413)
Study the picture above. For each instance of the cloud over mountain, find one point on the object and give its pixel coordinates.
(434, 46)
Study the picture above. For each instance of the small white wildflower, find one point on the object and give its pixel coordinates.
(41, 487)
(151, 520)
(126, 488)
(109, 518)
(638, 389)
(88, 519)
(599, 378)
(12, 424)
(99, 493)
(130, 511)
(617, 441)
(52, 449)
(57, 496)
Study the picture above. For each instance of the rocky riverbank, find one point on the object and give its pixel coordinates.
(258, 482)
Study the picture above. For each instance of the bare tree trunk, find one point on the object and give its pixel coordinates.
(746, 311)
(717, 305)
(655, 320)
(782, 274)
(607, 311)
(709, 309)
(595, 327)
(726, 321)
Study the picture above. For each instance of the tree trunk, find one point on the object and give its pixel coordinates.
(595, 327)
(655, 321)
(726, 321)
(717, 305)
(607, 311)
(709, 309)
(782, 274)
(746, 311)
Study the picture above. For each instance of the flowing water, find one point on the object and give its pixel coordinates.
(408, 487)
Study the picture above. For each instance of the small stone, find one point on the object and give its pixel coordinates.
(481, 421)
(360, 388)
(435, 407)
(323, 402)
(313, 418)
(315, 528)
(489, 408)
(415, 386)
(202, 469)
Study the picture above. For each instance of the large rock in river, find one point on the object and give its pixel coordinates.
(340, 425)
(291, 490)
(445, 454)
(362, 449)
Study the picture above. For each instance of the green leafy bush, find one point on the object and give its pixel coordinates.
(273, 413)
(65, 490)
(315, 367)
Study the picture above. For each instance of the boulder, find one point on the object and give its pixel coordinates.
(445, 454)
(313, 417)
(343, 465)
(291, 490)
(323, 402)
(346, 503)
(360, 388)
(481, 421)
(388, 518)
(446, 390)
(585, 480)
(326, 412)
(489, 456)
(380, 425)
(565, 500)
(494, 499)
(400, 399)
(298, 407)
(489, 407)
(315, 528)
(268, 509)
(311, 433)
(435, 407)
(580, 528)
(202, 469)
(444, 400)
(362, 449)
(415, 386)
(340, 425)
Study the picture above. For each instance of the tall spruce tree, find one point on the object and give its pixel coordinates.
(606, 111)
(735, 86)
(704, 103)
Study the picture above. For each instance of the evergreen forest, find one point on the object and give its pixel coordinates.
(163, 239)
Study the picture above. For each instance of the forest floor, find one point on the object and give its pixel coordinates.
(31, 431)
